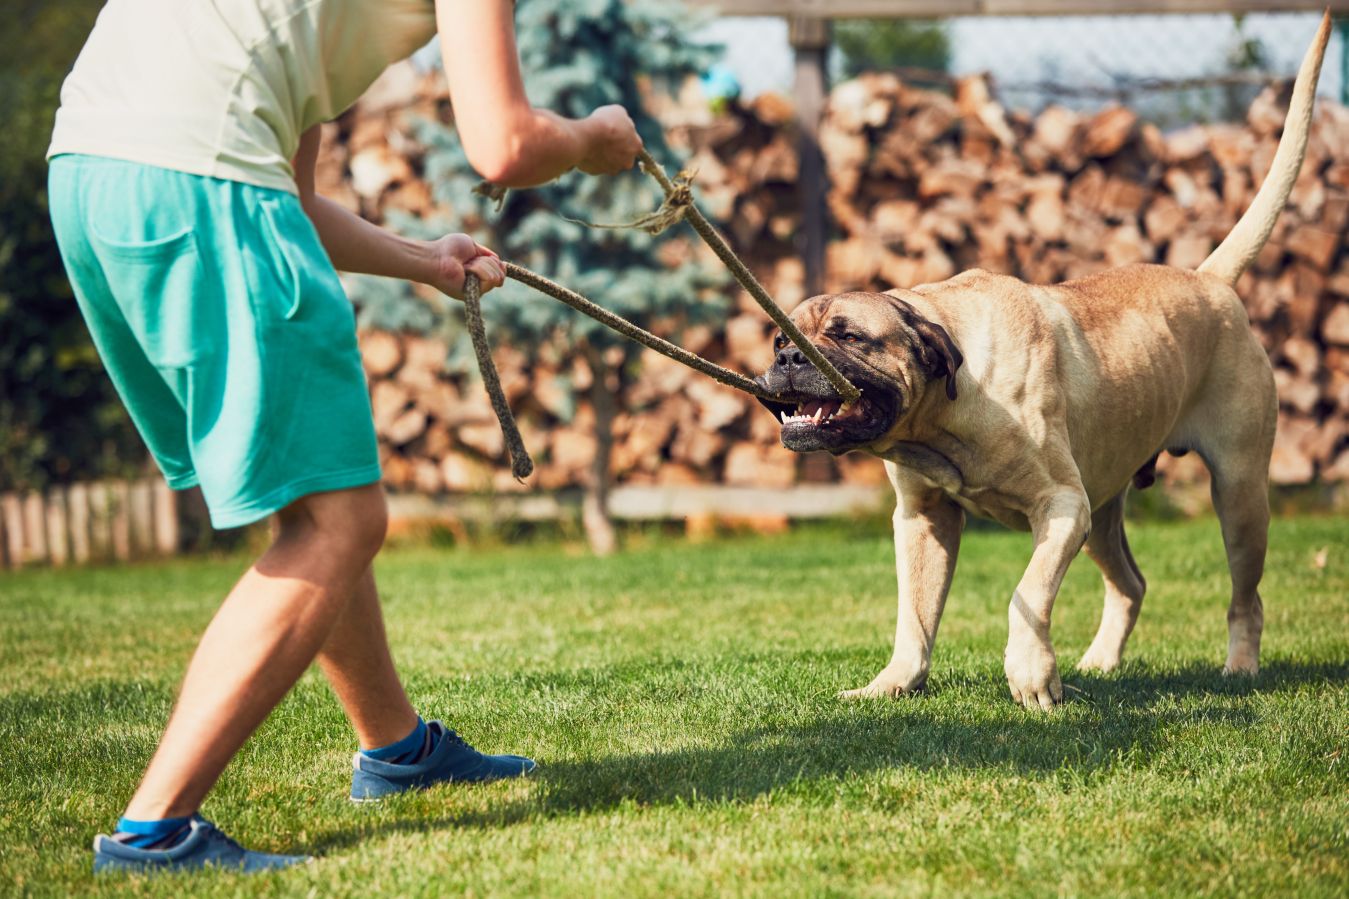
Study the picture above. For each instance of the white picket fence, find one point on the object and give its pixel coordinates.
(92, 522)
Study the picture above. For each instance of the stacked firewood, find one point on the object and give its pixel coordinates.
(922, 185)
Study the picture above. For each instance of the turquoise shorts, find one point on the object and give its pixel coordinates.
(224, 328)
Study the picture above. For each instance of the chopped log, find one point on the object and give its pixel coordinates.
(426, 477)
(1186, 144)
(1164, 219)
(463, 474)
(1290, 463)
(1335, 329)
(1106, 132)
(1338, 470)
(1046, 215)
(760, 466)
(1125, 245)
(484, 439)
(375, 169)
(718, 406)
(951, 177)
(1304, 356)
(747, 343)
(1314, 245)
(1188, 251)
(694, 446)
(1122, 198)
(1056, 130)
(1323, 444)
(388, 401)
(573, 449)
(1299, 393)
(381, 353)
(406, 428)
(398, 473)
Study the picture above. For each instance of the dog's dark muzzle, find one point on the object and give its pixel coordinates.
(811, 411)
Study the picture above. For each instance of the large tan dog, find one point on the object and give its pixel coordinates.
(1036, 407)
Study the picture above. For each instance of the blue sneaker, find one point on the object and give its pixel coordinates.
(204, 847)
(452, 761)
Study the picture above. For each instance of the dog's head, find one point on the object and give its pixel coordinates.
(878, 342)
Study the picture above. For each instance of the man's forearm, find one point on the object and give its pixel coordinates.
(355, 245)
(534, 150)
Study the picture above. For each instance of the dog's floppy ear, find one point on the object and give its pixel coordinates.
(942, 357)
(937, 353)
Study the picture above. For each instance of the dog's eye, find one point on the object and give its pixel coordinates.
(779, 342)
(851, 337)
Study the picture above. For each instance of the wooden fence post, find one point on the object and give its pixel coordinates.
(166, 518)
(58, 527)
(100, 520)
(120, 515)
(142, 511)
(11, 508)
(810, 39)
(34, 528)
(77, 503)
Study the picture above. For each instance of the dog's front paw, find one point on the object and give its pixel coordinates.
(894, 681)
(1033, 674)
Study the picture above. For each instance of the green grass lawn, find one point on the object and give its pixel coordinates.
(681, 701)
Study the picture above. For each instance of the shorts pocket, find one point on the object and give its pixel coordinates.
(165, 296)
(288, 273)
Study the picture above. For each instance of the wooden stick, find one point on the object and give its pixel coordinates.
(710, 236)
(522, 466)
(628, 329)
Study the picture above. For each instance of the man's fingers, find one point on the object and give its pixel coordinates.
(489, 271)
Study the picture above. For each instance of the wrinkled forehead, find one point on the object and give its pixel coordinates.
(854, 309)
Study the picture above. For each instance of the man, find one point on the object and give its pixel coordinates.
(182, 195)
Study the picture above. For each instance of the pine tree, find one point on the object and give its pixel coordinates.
(577, 56)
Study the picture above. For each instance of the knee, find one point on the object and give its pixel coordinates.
(346, 524)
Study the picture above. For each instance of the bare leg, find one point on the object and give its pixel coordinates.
(1124, 586)
(261, 640)
(357, 663)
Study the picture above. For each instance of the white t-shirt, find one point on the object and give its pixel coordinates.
(225, 88)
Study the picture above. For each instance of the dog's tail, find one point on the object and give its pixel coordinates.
(1235, 254)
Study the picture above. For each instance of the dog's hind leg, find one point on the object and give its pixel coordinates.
(1234, 434)
(1124, 585)
(1241, 498)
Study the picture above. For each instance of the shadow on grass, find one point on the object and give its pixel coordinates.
(1120, 719)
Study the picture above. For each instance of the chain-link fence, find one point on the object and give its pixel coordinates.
(1172, 69)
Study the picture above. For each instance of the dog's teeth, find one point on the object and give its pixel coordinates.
(784, 417)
